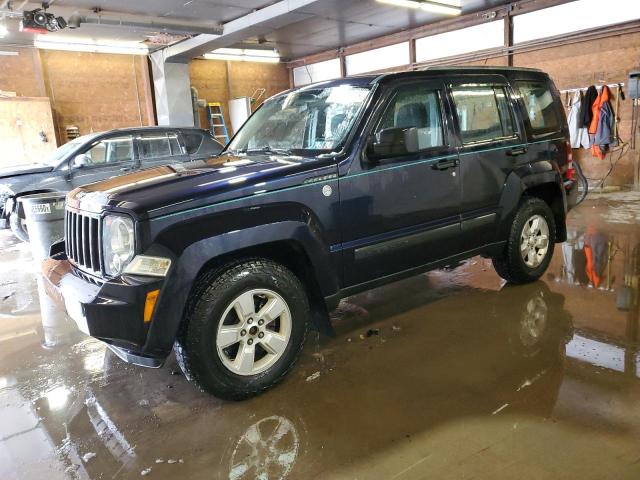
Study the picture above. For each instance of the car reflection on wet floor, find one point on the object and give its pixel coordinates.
(446, 375)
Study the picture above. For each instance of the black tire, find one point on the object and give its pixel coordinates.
(195, 347)
(18, 227)
(510, 265)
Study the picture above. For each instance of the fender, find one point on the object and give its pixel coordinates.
(193, 248)
(516, 185)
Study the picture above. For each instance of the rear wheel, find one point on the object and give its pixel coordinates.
(244, 329)
(530, 245)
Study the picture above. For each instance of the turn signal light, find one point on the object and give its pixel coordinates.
(150, 305)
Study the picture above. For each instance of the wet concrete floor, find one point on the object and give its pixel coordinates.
(448, 375)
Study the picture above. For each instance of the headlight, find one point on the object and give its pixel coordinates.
(118, 239)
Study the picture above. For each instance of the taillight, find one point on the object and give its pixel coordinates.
(569, 173)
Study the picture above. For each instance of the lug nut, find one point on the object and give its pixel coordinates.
(261, 335)
(250, 341)
(260, 322)
(250, 321)
(243, 333)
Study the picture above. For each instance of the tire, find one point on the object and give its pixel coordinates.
(227, 352)
(529, 266)
(18, 227)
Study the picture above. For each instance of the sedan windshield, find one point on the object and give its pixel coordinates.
(311, 119)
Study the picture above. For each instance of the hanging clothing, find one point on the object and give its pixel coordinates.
(586, 106)
(598, 106)
(604, 133)
(579, 134)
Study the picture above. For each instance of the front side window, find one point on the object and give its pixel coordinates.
(416, 106)
(541, 110)
(483, 112)
(311, 119)
(111, 150)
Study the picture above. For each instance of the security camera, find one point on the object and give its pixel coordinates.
(40, 21)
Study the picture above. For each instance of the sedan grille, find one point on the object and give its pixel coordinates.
(83, 241)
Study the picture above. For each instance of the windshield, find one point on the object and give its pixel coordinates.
(316, 119)
(60, 153)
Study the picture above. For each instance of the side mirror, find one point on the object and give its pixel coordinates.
(80, 161)
(394, 142)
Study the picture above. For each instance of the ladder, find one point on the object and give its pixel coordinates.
(217, 126)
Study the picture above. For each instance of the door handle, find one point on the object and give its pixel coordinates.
(516, 151)
(445, 164)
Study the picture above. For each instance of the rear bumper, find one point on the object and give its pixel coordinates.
(111, 311)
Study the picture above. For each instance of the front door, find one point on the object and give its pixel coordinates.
(402, 212)
(492, 147)
(106, 158)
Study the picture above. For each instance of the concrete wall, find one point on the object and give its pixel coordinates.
(219, 81)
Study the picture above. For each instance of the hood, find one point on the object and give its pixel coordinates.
(156, 191)
(25, 170)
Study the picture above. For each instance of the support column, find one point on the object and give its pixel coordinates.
(172, 91)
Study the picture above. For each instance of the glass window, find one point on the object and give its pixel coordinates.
(154, 146)
(316, 72)
(483, 113)
(378, 59)
(111, 150)
(175, 145)
(458, 42)
(192, 142)
(541, 110)
(316, 119)
(419, 107)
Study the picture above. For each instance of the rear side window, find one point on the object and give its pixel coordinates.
(540, 107)
(415, 106)
(192, 142)
(155, 145)
(483, 112)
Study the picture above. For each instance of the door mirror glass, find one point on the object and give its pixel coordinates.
(393, 142)
(80, 161)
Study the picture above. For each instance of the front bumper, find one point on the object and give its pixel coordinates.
(111, 311)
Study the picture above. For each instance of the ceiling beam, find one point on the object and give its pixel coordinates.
(260, 22)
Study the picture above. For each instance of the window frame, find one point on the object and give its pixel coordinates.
(106, 164)
(439, 89)
(536, 133)
(505, 87)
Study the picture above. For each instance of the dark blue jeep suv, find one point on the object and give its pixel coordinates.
(327, 190)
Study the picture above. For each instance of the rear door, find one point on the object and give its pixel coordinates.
(107, 157)
(493, 145)
(401, 212)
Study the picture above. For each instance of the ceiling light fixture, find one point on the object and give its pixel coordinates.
(452, 8)
(244, 55)
(130, 48)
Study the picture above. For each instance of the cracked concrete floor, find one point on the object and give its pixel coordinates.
(459, 377)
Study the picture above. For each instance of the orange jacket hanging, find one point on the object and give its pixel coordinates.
(602, 99)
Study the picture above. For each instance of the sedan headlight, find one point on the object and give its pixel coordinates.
(118, 243)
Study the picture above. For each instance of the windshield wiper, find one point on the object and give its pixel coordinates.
(266, 149)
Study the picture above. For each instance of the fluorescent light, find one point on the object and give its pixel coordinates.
(4, 31)
(427, 6)
(131, 48)
(244, 55)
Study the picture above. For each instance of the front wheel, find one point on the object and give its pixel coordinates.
(530, 245)
(244, 330)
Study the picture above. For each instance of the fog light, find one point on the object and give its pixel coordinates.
(148, 266)
(150, 304)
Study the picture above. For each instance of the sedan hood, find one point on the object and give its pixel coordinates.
(166, 189)
(24, 170)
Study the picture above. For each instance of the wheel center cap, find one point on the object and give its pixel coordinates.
(253, 330)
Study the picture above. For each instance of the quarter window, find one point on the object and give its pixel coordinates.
(159, 145)
(415, 106)
(483, 113)
(538, 102)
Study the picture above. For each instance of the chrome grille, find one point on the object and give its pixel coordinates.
(82, 240)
